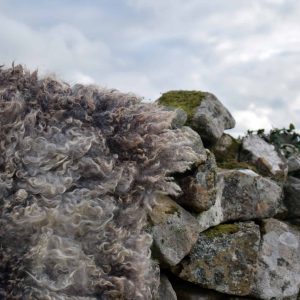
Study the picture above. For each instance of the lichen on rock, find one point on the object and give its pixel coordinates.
(223, 259)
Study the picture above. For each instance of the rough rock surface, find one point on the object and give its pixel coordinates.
(223, 145)
(211, 118)
(242, 195)
(294, 163)
(199, 189)
(166, 291)
(264, 156)
(223, 258)
(180, 118)
(193, 138)
(174, 231)
(206, 114)
(292, 196)
(278, 269)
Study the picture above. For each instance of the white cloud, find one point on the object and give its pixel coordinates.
(62, 49)
(243, 51)
(252, 118)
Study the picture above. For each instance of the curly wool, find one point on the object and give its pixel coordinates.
(79, 169)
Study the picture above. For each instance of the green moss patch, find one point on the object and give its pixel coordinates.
(220, 230)
(186, 100)
(231, 154)
(229, 159)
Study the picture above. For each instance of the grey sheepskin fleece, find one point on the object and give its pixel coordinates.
(79, 170)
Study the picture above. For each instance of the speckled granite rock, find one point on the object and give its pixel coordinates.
(278, 269)
(292, 196)
(166, 291)
(242, 195)
(199, 189)
(223, 258)
(174, 231)
(264, 156)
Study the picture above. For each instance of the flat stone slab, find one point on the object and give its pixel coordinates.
(223, 259)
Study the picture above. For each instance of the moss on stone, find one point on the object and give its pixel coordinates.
(186, 100)
(234, 164)
(231, 153)
(229, 159)
(220, 230)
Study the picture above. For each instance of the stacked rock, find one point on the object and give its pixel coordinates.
(242, 204)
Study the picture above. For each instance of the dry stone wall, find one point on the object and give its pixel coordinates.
(245, 198)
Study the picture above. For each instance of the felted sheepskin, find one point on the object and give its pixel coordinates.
(79, 170)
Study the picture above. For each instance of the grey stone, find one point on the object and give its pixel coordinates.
(199, 189)
(155, 284)
(278, 268)
(174, 231)
(194, 140)
(211, 118)
(242, 195)
(294, 163)
(223, 259)
(166, 291)
(292, 196)
(264, 156)
(223, 145)
(180, 118)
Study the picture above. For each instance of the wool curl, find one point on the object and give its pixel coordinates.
(79, 170)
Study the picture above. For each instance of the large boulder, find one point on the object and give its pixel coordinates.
(199, 188)
(242, 195)
(292, 196)
(278, 268)
(264, 156)
(206, 114)
(223, 258)
(174, 231)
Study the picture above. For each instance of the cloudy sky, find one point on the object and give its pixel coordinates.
(245, 52)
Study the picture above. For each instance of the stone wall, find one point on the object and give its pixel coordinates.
(245, 200)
